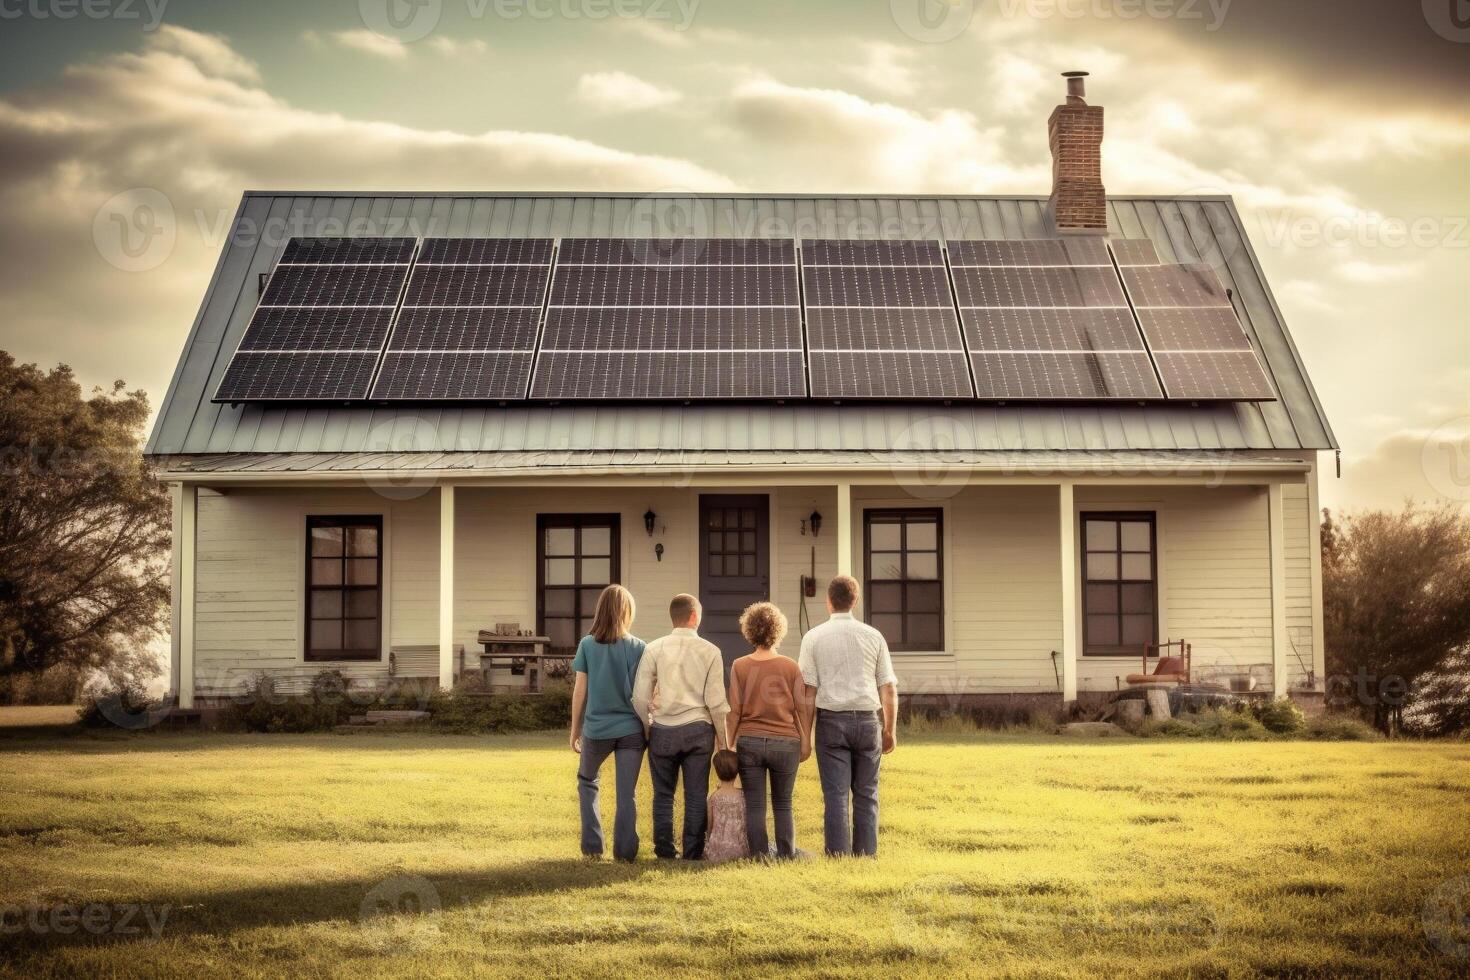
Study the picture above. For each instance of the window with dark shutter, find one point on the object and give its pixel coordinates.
(903, 566)
(1120, 576)
(344, 576)
(576, 558)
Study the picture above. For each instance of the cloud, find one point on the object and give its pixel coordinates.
(210, 52)
(618, 91)
(676, 34)
(833, 138)
(1361, 270)
(886, 68)
(362, 41)
(179, 128)
(454, 47)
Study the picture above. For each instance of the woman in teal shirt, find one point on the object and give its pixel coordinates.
(604, 722)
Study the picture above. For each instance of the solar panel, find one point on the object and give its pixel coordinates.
(321, 322)
(881, 321)
(314, 376)
(672, 319)
(453, 375)
(467, 327)
(676, 251)
(1134, 251)
(1201, 349)
(1048, 320)
(659, 375)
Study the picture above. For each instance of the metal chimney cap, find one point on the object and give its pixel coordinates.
(1076, 74)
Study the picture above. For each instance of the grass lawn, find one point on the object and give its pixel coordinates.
(257, 855)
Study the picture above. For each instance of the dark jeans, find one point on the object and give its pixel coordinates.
(627, 755)
(760, 755)
(686, 749)
(849, 746)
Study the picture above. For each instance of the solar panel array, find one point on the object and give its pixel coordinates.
(592, 319)
(467, 327)
(689, 318)
(880, 321)
(321, 323)
(1199, 345)
(1048, 320)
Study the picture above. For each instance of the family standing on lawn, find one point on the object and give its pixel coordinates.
(668, 697)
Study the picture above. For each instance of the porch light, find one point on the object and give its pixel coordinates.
(815, 520)
(648, 519)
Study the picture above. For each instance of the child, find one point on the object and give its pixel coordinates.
(726, 840)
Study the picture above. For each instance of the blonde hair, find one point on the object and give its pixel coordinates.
(613, 619)
(763, 625)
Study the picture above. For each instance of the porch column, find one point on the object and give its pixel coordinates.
(446, 586)
(186, 523)
(1066, 516)
(1280, 642)
(844, 529)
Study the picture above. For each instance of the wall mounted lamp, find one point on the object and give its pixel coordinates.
(648, 520)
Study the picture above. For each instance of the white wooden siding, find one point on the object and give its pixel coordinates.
(1003, 600)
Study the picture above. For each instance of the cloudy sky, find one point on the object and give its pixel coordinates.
(1340, 128)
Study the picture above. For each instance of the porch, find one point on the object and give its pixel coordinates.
(990, 576)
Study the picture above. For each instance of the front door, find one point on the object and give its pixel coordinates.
(734, 568)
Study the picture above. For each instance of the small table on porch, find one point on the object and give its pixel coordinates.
(531, 654)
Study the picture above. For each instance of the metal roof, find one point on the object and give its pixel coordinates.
(1189, 229)
(628, 462)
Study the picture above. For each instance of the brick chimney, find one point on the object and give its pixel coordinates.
(1078, 202)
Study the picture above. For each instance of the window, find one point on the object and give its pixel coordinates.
(1120, 583)
(576, 558)
(344, 575)
(904, 569)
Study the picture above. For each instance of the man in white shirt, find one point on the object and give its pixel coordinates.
(847, 666)
(679, 692)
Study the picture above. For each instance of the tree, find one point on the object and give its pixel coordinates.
(1396, 600)
(1441, 704)
(84, 531)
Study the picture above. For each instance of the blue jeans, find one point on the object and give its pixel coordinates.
(761, 755)
(673, 750)
(627, 755)
(849, 747)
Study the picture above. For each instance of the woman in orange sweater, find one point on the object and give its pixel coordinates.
(768, 715)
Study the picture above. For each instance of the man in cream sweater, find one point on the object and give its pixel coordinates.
(679, 693)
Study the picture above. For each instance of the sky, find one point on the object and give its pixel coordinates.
(1341, 129)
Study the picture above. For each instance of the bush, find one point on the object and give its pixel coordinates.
(1232, 726)
(1279, 716)
(262, 709)
(124, 704)
(1340, 728)
(469, 713)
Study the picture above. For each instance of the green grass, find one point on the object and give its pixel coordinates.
(1015, 855)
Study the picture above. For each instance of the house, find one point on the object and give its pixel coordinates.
(1044, 432)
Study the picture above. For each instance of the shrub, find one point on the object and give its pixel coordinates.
(125, 704)
(1340, 728)
(470, 713)
(1280, 716)
(1232, 726)
(261, 709)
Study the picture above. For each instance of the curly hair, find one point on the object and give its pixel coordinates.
(763, 625)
